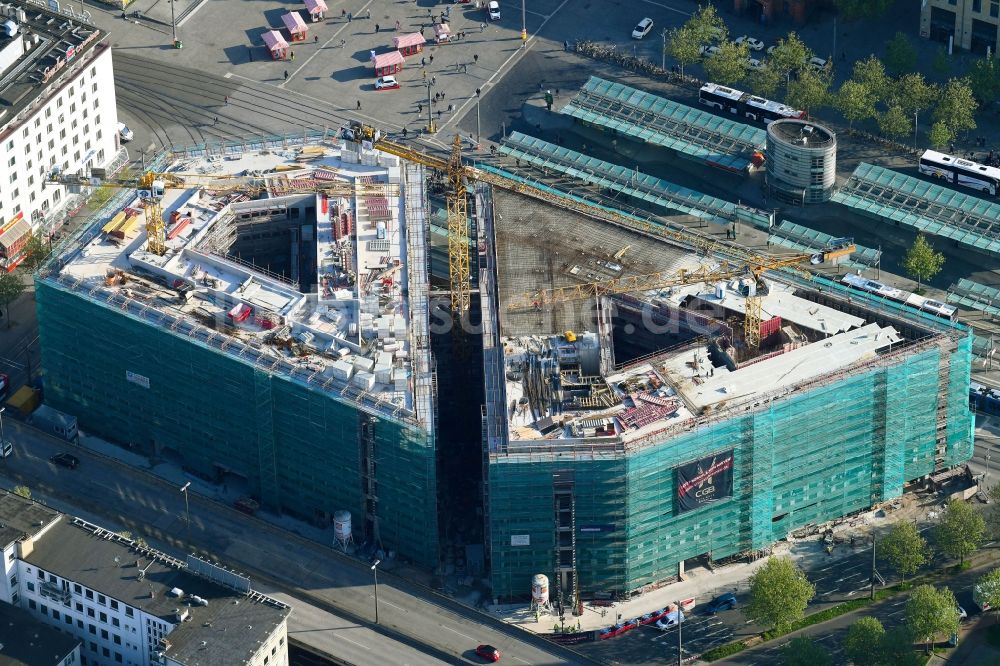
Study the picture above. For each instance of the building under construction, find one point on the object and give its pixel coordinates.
(629, 434)
(264, 323)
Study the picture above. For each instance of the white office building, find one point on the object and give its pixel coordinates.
(57, 111)
(131, 605)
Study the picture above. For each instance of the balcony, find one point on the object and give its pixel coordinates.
(55, 592)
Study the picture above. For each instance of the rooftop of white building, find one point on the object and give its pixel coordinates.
(26, 641)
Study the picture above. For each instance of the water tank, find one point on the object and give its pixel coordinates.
(720, 290)
(342, 526)
(9, 28)
(539, 589)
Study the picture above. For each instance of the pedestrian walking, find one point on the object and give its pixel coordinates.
(316, 39)
(397, 26)
(442, 94)
(420, 108)
(423, 62)
(286, 74)
(291, 54)
(423, 73)
(465, 68)
(434, 80)
(343, 43)
(250, 53)
(430, 58)
(227, 99)
(343, 12)
(359, 105)
(376, 27)
(216, 121)
(439, 114)
(540, 86)
(350, 17)
(566, 46)
(404, 132)
(475, 57)
(369, 15)
(482, 27)
(451, 107)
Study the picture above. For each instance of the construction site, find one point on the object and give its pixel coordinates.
(641, 398)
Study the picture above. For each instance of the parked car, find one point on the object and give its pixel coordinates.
(962, 615)
(489, 653)
(753, 63)
(6, 448)
(247, 505)
(817, 63)
(722, 602)
(708, 51)
(641, 30)
(752, 42)
(771, 48)
(494, 10)
(124, 133)
(671, 620)
(386, 83)
(65, 460)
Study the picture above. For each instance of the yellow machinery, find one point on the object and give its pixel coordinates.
(458, 234)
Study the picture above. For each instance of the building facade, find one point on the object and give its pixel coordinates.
(60, 113)
(133, 606)
(971, 25)
(24, 641)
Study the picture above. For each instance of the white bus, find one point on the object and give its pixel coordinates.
(960, 172)
(739, 103)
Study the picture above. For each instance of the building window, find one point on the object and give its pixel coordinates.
(89, 594)
(58, 105)
(90, 612)
(79, 607)
(104, 618)
(106, 652)
(31, 586)
(31, 604)
(92, 629)
(995, 9)
(13, 598)
(68, 620)
(115, 622)
(72, 108)
(114, 604)
(38, 122)
(128, 611)
(45, 609)
(104, 634)
(11, 163)
(55, 613)
(79, 624)
(77, 589)
(977, 6)
(117, 639)
(13, 582)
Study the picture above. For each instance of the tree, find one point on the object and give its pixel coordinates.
(894, 122)
(957, 106)
(931, 612)
(729, 65)
(802, 651)
(779, 593)
(811, 90)
(101, 195)
(707, 25)
(922, 263)
(683, 46)
(11, 287)
(984, 78)
(790, 55)
(913, 95)
(863, 643)
(904, 549)
(871, 73)
(941, 63)
(900, 54)
(22, 491)
(961, 529)
(766, 80)
(993, 516)
(989, 588)
(940, 134)
(897, 648)
(855, 101)
(852, 10)
(36, 251)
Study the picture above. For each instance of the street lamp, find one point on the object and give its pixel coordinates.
(430, 114)
(478, 92)
(187, 510)
(375, 572)
(3, 440)
(524, 23)
(663, 51)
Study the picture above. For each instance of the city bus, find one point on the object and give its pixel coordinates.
(739, 103)
(960, 172)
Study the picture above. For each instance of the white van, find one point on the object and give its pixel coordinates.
(494, 10)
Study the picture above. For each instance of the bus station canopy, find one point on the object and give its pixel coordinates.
(294, 23)
(274, 41)
(929, 208)
(691, 132)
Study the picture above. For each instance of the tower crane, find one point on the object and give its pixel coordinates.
(755, 266)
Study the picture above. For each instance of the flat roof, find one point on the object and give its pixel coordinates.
(227, 630)
(48, 42)
(349, 334)
(803, 132)
(20, 517)
(27, 641)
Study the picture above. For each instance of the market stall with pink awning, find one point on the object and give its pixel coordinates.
(316, 9)
(387, 63)
(276, 44)
(296, 27)
(409, 44)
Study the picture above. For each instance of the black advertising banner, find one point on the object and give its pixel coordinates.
(704, 481)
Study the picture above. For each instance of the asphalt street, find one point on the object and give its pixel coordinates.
(416, 626)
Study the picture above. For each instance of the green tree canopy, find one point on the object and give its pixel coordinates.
(802, 651)
(900, 54)
(922, 262)
(811, 90)
(930, 612)
(870, 72)
(853, 10)
(989, 588)
(942, 62)
(894, 122)
(984, 78)
(707, 25)
(35, 252)
(766, 81)
(863, 643)
(961, 529)
(993, 516)
(683, 46)
(729, 65)
(897, 648)
(22, 491)
(912, 93)
(940, 134)
(790, 55)
(903, 548)
(779, 593)
(956, 106)
(11, 286)
(855, 101)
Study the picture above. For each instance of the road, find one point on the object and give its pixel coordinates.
(417, 627)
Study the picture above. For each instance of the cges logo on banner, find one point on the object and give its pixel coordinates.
(704, 481)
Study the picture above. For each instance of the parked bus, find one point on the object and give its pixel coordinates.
(960, 172)
(929, 305)
(745, 105)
